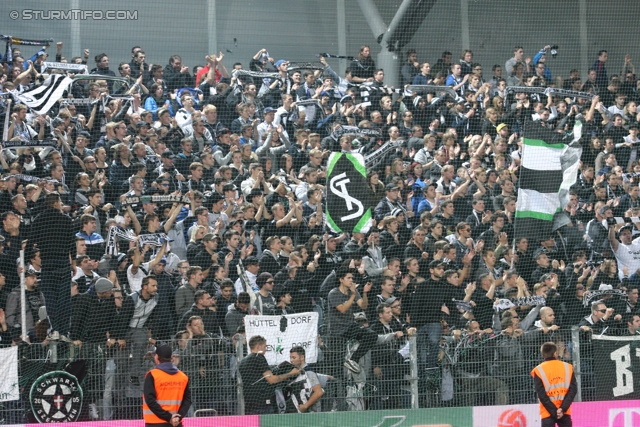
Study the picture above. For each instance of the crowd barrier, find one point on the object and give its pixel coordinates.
(600, 364)
(617, 413)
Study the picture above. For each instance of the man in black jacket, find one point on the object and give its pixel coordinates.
(203, 307)
(94, 326)
(270, 260)
(176, 75)
(53, 234)
(426, 307)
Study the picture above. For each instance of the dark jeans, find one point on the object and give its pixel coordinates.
(56, 288)
(565, 421)
(365, 336)
(428, 342)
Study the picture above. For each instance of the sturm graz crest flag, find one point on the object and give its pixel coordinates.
(348, 209)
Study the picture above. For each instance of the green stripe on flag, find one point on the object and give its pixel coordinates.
(541, 143)
(332, 162)
(357, 164)
(331, 223)
(535, 215)
(365, 221)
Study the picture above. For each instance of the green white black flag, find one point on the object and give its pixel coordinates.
(549, 168)
(347, 208)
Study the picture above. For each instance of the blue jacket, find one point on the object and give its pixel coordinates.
(547, 71)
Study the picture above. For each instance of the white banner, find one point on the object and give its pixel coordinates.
(9, 389)
(67, 66)
(285, 332)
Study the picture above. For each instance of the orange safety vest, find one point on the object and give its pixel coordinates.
(556, 378)
(169, 393)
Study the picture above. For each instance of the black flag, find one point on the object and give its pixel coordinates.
(347, 194)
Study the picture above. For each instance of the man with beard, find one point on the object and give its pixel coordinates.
(426, 307)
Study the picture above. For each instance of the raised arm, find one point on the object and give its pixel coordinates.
(168, 225)
(158, 256)
(134, 219)
(612, 238)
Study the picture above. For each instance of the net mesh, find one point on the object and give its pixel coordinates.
(378, 206)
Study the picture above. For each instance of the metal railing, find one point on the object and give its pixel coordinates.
(490, 370)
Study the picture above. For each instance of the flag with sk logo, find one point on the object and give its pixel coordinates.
(347, 209)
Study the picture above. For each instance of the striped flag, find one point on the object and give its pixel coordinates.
(41, 99)
(548, 170)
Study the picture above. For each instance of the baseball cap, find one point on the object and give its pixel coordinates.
(360, 317)
(391, 187)
(279, 62)
(103, 285)
(436, 263)
(626, 227)
(251, 260)
(223, 131)
(142, 124)
(501, 126)
(346, 98)
(167, 155)
(269, 110)
(391, 300)
(164, 351)
(208, 237)
(57, 122)
(604, 209)
(545, 276)
(215, 198)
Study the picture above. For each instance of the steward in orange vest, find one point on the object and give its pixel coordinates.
(167, 398)
(555, 386)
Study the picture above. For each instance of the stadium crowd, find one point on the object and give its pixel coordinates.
(249, 165)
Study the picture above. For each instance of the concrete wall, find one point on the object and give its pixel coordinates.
(297, 30)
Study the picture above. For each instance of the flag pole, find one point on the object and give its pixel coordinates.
(5, 131)
(515, 217)
(23, 298)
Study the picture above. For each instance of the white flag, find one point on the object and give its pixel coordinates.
(9, 389)
(43, 97)
(285, 332)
